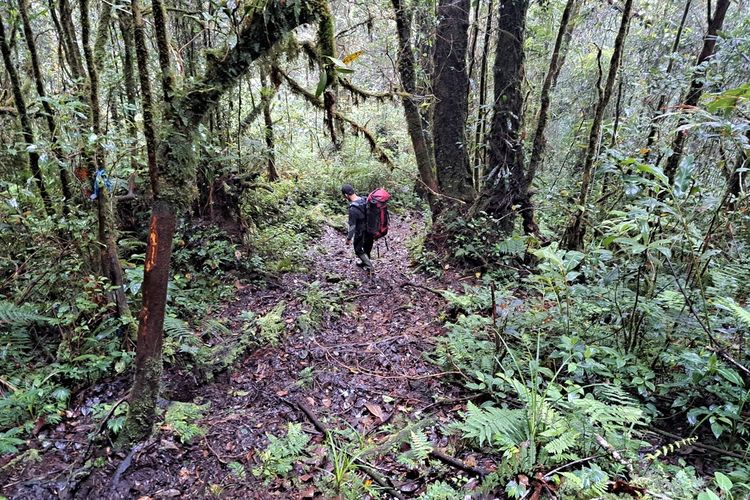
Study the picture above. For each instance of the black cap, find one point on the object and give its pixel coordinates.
(347, 189)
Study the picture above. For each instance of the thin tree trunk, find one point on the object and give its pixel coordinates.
(175, 189)
(450, 85)
(736, 178)
(23, 117)
(125, 23)
(696, 85)
(48, 113)
(265, 97)
(505, 184)
(574, 233)
(555, 65)
(409, 100)
(68, 32)
(110, 261)
(480, 129)
(653, 129)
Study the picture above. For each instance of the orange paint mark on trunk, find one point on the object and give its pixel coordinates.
(153, 242)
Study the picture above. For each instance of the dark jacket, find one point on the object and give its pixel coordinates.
(357, 218)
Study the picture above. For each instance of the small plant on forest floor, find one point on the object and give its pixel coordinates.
(181, 419)
(306, 377)
(237, 470)
(317, 302)
(282, 453)
(115, 418)
(271, 325)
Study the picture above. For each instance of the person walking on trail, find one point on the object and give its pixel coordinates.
(358, 233)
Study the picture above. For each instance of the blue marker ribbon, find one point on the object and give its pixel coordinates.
(101, 175)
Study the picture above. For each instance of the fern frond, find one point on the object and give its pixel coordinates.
(741, 314)
(175, 327)
(562, 444)
(12, 314)
(670, 448)
(494, 425)
(215, 328)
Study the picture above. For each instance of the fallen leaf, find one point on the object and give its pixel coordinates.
(376, 410)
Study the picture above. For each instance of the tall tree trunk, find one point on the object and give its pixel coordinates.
(653, 129)
(175, 167)
(696, 85)
(505, 183)
(450, 85)
(48, 113)
(410, 102)
(480, 128)
(23, 117)
(265, 96)
(70, 40)
(555, 65)
(574, 233)
(110, 261)
(125, 23)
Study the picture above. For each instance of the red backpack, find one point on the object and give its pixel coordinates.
(377, 213)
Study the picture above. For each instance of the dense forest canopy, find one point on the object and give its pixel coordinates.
(560, 308)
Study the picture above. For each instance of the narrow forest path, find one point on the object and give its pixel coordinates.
(361, 368)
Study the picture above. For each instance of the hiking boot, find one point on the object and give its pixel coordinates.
(364, 261)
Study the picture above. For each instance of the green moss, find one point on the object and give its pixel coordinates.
(142, 405)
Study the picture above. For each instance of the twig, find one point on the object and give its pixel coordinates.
(458, 464)
(551, 473)
(730, 359)
(218, 457)
(612, 451)
(422, 287)
(8, 385)
(111, 412)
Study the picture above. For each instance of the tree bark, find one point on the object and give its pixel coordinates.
(505, 183)
(265, 97)
(555, 65)
(48, 113)
(575, 231)
(410, 102)
(175, 190)
(23, 117)
(696, 85)
(450, 85)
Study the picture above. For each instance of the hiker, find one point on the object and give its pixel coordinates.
(358, 227)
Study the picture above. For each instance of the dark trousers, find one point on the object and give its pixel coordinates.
(363, 243)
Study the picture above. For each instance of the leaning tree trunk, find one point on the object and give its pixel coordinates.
(410, 102)
(505, 183)
(175, 173)
(23, 117)
(450, 85)
(48, 113)
(696, 85)
(574, 233)
(555, 65)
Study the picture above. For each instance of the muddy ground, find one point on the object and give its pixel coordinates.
(362, 369)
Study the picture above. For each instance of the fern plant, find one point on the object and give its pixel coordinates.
(181, 418)
(419, 450)
(15, 315)
(281, 453)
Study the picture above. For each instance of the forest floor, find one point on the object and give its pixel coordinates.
(361, 369)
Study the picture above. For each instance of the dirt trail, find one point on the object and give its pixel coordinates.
(362, 368)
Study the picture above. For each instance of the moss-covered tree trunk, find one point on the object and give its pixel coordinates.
(696, 85)
(409, 100)
(266, 92)
(48, 113)
(23, 117)
(505, 182)
(575, 231)
(450, 85)
(174, 188)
